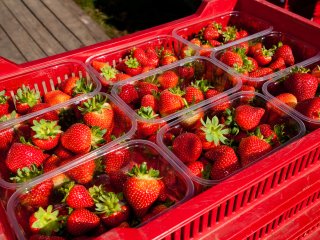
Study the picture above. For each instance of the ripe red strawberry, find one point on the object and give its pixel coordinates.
(163, 191)
(62, 152)
(68, 85)
(168, 59)
(187, 51)
(170, 101)
(263, 56)
(243, 33)
(193, 95)
(254, 47)
(128, 94)
(22, 155)
(78, 196)
(152, 55)
(140, 55)
(81, 221)
(142, 188)
(251, 148)
(50, 116)
(186, 71)
(253, 65)
(109, 206)
(132, 67)
(285, 51)
(286, 98)
(248, 117)
(301, 84)
(150, 101)
(225, 161)
(83, 173)
(116, 160)
(211, 92)
(56, 97)
(187, 147)
(316, 72)
(45, 134)
(117, 180)
(229, 34)
(311, 109)
(197, 168)
(26, 98)
(39, 195)
(210, 32)
(4, 103)
(146, 129)
(145, 88)
(267, 132)
(154, 211)
(45, 222)
(168, 79)
(231, 59)
(6, 139)
(260, 72)
(278, 64)
(97, 64)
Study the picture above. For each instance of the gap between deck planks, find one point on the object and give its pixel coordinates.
(34, 29)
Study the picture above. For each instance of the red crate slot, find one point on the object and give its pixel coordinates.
(23, 161)
(177, 189)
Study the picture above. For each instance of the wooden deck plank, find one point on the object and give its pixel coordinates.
(70, 20)
(31, 24)
(29, 49)
(94, 29)
(66, 38)
(8, 49)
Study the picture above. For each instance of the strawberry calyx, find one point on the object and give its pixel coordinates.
(229, 34)
(27, 95)
(188, 52)
(132, 63)
(65, 189)
(177, 91)
(214, 131)
(202, 84)
(45, 129)
(7, 117)
(142, 172)
(281, 134)
(147, 113)
(258, 134)
(230, 122)
(108, 72)
(97, 137)
(95, 104)
(48, 221)
(82, 87)
(3, 97)
(298, 69)
(26, 173)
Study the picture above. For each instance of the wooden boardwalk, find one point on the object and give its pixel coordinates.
(34, 29)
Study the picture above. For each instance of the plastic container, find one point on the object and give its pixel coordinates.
(303, 54)
(255, 27)
(113, 56)
(225, 84)
(123, 128)
(293, 129)
(276, 86)
(44, 79)
(179, 187)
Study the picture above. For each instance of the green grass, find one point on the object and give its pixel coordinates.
(100, 18)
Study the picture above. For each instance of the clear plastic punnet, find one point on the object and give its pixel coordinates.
(274, 60)
(297, 89)
(253, 25)
(218, 140)
(60, 136)
(111, 65)
(176, 89)
(52, 84)
(107, 193)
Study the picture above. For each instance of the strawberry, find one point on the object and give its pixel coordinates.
(163, 191)
(260, 72)
(45, 134)
(39, 195)
(62, 152)
(154, 211)
(128, 94)
(187, 51)
(140, 55)
(97, 65)
(229, 34)
(251, 148)
(253, 65)
(168, 59)
(231, 59)
(22, 155)
(316, 72)
(132, 67)
(264, 56)
(301, 84)
(170, 101)
(56, 97)
(225, 161)
(210, 32)
(211, 92)
(146, 129)
(50, 116)
(285, 52)
(288, 99)
(4, 103)
(243, 33)
(68, 85)
(187, 147)
(116, 160)
(81, 221)
(168, 79)
(6, 139)
(150, 101)
(186, 71)
(254, 47)
(278, 64)
(26, 98)
(267, 133)
(109, 206)
(77, 196)
(83, 173)
(142, 188)
(45, 222)
(248, 117)
(145, 88)
(311, 109)
(117, 180)
(152, 55)
(197, 168)
(193, 95)
(98, 112)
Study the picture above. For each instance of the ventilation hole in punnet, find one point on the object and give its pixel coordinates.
(306, 159)
(218, 214)
(88, 77)
(295, 167)
(318, 195)
(182, 235)
(52, 85)
(234, 208)
(273, 224)
(267, 228)
(301, 164)
(66, 76)
(259, 190)
(289, 171)
(314, 197)
(309, 200)
(191, 229)
(280, 219)
(316, 155)
(114, 62)
(80, 74)
(296, 209)
(310, 158)
(209, 222)
(280, 176)
(243, 198)
(200, 228)
(251, 193)
(13, 97)
(59, 80)
(226, 208)
(264, 189)
(273, 180)
(36, 88)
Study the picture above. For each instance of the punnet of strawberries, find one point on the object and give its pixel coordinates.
(262, 57)
(158, 97)
(125, 187)
(139, 58)
(57, 137)
(218, 31)
(299, 89)
(220, 139)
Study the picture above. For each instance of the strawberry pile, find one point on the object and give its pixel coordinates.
(224, 138)
(215, 34)
(57, 137)
(299, 90)
(123, 188)
(165, 93)
(138, 60)
(254, 59)
(27, 100)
